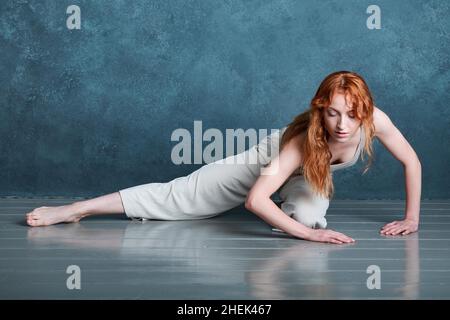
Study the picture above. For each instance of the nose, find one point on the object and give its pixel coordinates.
(341, 124)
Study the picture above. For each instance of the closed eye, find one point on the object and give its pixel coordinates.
(350, 114)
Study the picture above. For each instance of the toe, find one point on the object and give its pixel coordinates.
(36, 223)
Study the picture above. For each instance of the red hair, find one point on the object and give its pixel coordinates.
(315, 153)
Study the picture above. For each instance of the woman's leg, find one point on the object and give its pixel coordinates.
(302, 204)
(212, 189)
(74, 212)
(208, 191)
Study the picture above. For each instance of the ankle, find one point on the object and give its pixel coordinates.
(80, 208)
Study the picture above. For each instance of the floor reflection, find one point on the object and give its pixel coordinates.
(411, 279)
(317, 270)
(272, 266)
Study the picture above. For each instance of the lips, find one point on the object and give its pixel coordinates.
(341, 133)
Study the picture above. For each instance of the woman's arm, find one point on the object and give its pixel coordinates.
(397, 145)
(272, 177)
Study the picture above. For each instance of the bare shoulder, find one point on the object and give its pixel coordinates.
(294, 144)
(393, 139)
(291, 154)
(381, 121)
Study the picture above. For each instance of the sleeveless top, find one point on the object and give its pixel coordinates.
(338, 166)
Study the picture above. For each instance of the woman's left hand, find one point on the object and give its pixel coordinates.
(402, 227)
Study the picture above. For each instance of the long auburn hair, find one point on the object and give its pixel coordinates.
(316, 155)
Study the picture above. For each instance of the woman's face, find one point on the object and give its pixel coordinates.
(339, 118)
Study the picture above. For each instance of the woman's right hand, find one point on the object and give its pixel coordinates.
(328, 236)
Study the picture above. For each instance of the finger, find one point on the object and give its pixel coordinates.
(334, 240)
(390, 224)
(391, 229)
(344, 238)
(338, 234)
(387, 230)
(398, 230)
(404, 233)
(385, 234)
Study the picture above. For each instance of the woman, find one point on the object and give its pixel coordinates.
(342, 118)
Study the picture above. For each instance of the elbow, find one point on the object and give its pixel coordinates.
(413, 164)
(253, 201)
(417, 161)
(248, 204)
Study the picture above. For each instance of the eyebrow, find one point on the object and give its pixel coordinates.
(351, 110)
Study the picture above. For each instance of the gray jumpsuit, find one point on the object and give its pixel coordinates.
(224, 184)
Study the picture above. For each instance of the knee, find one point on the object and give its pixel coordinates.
(310, 220)
(307, 212)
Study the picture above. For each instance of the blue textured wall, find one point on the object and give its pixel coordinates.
(91, 111)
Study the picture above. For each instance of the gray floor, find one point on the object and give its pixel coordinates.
(232, 256)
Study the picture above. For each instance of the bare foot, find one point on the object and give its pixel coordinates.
(45, 216)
